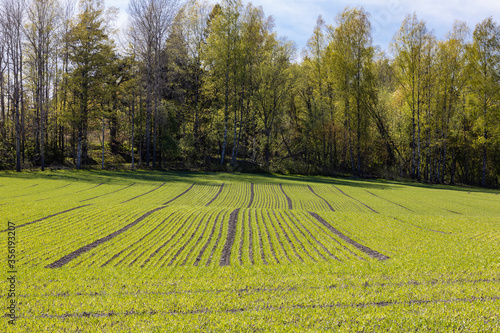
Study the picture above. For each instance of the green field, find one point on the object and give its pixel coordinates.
(184, 252)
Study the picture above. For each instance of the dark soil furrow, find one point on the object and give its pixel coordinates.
(261, 243)
(225, 259)
(347, 195)
(392, 202)
(319, 196)
(169, 240)
(90, 188)
(64, 195)
(290, 241)
(176, 220)
(278, 237)
(250, 240)
(410, 302)
(219, 236)
(143, 194)
(252, 194)
(180, 195)
(420, 227)
(287, 197)
(188, 256)
(204, 248)
(214, 198)
(361, 247)
(136, 242)
(312, 236)
(185, 243)
(269, 238)
(452, 211)
(299, 241)
(242, 240)
(67, 258)
(49, 216)
(121, 189)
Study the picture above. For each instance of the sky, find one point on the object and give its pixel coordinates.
(296, 19)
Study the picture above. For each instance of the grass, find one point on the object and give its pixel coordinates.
(159, 241)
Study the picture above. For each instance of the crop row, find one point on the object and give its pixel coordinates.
(179, 236)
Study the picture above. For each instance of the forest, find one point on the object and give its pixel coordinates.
(196, 86)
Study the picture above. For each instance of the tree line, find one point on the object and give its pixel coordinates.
(213, 87)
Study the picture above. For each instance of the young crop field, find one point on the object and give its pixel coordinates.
(189, 252)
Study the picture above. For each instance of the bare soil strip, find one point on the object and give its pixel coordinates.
(392, 202)
(218, 193)
(252, 194)
(174, 223)
(188, 256)
(225, 259)
(365, 249)
(347, 195)
(136, 242)
(278, 237)
(269, 238)
(250, 240)
(420, 227)
(143, 194)
(312, 236)
(67, 258)
(287, 197)
(180, 195)
(185, 243)
(169, 240)
(121, 189)
(315, 222)
(90, 188)
(290, 241)
(204, 248)
(451, 211)
(209, 261)
(49, 216)
(319, 196)
(410, 302)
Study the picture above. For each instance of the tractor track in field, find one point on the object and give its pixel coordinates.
(180, 195)
(273, 252)
(121, 189)
(174, 223)
(168, 241)
(225, 259)
(204, 248)
(392, 202)
(252, 195)
(312, 236)
(214, 198)
(361, 247)
(278, 237)
(347, 195)
(181, 249)
(379, 304)
(67, 258)
(319, 196)
(219, 236)
(49, 216)
(288, 200)
(136, 242)
(420, 227)
(143, 194)
(197, 241)
(289, 240)
(303, 235)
